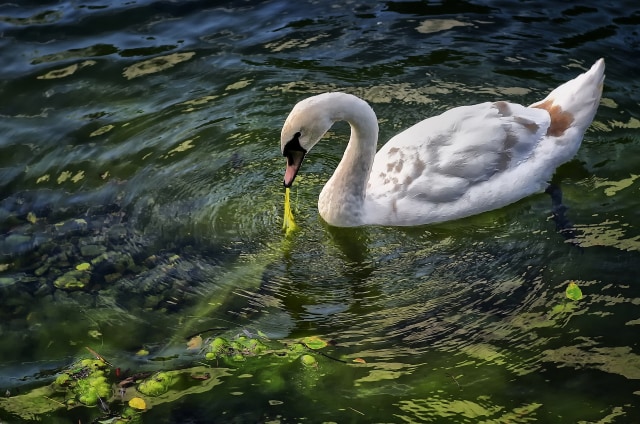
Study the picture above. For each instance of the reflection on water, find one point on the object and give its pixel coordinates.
(141, 138)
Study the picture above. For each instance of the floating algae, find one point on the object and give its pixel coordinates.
(288, 224)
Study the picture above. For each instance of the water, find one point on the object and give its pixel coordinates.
(157, 124)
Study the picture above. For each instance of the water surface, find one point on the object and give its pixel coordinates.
(152, 129)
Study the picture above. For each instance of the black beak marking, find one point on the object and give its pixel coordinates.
(294, 153)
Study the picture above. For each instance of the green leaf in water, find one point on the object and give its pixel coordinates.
(138, 403)
(573, 292)
(314, 342)
(156, 385)
(308, 361)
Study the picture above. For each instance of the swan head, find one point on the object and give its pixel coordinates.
(306, 124)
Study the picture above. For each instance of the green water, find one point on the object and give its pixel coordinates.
(149, 132)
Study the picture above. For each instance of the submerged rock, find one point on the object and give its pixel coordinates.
(73, 280)
(16, 243)
(79, 248)
(7, 281)
(92, 250)
(42, 269)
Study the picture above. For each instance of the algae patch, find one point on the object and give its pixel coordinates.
(288, 223)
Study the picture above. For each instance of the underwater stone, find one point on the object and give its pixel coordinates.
(117, 232)
(73, 280)
(102, 258)
(16, 239)
(92, 250)
(16, 243)
(124, 262)
(43, 290)
(29, 280)
(54, 273)
(151, 261)
(112, 262)
(62, 259)
(41, 270)
(74, 225)
(110, 278)
(7, 281)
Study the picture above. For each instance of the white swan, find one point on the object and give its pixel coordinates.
(468, 160)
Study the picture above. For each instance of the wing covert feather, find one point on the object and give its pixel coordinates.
(438, 159)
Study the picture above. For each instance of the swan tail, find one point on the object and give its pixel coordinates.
(573, 105)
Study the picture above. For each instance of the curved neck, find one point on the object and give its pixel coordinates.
(342, 198)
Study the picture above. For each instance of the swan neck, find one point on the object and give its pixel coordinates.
(342, 199)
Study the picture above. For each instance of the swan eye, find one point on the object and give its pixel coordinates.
(294, 145)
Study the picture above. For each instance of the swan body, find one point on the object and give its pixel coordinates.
(468, 160)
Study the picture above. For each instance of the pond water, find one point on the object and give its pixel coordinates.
(141, 204)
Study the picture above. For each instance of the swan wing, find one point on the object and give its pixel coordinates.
(440, 159)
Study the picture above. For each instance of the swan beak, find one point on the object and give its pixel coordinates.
(294, 160)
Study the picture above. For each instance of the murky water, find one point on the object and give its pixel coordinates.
(149, 131)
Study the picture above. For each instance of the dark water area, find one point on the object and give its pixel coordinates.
(141, 203)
